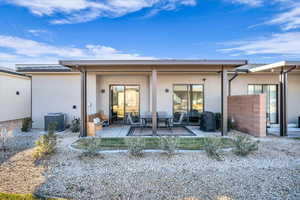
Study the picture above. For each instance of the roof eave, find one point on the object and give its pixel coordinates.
(76, 63)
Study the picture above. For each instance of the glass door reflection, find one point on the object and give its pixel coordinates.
(124, 99)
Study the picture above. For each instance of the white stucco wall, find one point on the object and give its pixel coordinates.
(59, 92)
(104, 82)
(14, 106)
(212, 90)
(54, 93)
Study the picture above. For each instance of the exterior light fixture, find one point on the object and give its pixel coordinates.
(17, 93)
(102, 90)
(167, 90)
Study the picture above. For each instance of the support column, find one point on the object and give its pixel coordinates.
(224, 103)
(154, 101)
(283, 110)
(83, 122)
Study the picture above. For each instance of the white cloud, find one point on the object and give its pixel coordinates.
(25, 50)
(253, 3)
(289, 19)
(286, 44)
(76, 11)
(7, 56)
(37, 32)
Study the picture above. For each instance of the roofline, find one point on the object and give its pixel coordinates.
(14, 73)
(76, 63)
(275, 65)
(43, 70)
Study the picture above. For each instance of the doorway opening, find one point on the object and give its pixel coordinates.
(124, 99)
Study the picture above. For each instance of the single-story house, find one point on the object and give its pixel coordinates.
(116, 87)
(15, 97)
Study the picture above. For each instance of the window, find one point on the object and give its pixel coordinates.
(188, 98)
(271, 92)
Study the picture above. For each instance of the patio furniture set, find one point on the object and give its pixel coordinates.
(163, 120)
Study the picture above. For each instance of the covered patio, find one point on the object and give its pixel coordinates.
(157, 79)
(289, 125)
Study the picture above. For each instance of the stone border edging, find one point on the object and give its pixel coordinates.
(146, 150)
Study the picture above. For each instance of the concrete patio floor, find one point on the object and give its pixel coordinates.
(123, 130)
(292, 132)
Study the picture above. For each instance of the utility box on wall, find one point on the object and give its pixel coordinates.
(58, 118)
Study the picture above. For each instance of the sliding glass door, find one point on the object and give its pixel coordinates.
(188, 98)
(124, 99)
(271, 92)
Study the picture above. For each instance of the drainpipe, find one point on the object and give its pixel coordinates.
(283, 78)
(83, 124)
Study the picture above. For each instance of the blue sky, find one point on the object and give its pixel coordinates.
(44, 31)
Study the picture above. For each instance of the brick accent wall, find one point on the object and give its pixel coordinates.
(11, 124)
(249, 113)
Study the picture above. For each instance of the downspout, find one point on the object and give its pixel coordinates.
(283, 100)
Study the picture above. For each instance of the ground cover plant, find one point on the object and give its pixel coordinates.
(46, 144)
(244, 145)
(168, 144)
(26, 124)
(212, 148)
(136, 146)
(153, 143)
(92, 146)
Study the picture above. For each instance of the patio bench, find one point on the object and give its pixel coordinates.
(95, 125)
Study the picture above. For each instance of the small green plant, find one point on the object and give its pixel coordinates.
(91, 145)
(136, 146)
(46, 144)
(75, 125)
(212, 148)
(26, 124)
(168, 144)
(244, 145)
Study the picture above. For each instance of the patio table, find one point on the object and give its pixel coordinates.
(160, 117)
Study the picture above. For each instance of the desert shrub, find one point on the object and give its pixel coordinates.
(212, 147)
(26, 124)
(4, 135)
(75, 125)
(46, 144)
(168, 144)
(136, 146)
(91, 146)
(244, 145)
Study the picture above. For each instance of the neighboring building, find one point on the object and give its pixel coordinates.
(15, 97)
(118, 87)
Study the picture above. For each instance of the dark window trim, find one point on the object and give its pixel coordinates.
(110, 99)
(277, 97)
(189, 97)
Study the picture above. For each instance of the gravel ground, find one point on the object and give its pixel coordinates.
(271, 173)
(18, 172)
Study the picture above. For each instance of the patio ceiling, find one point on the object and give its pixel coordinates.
(267, 67)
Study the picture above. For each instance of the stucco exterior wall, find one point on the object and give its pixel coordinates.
(212, 90)
(104, 82)
(14, 106)
(240, 87)
(54, 93)
(59, 92)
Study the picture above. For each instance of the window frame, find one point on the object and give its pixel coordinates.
(277, 96)
(190, 95)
